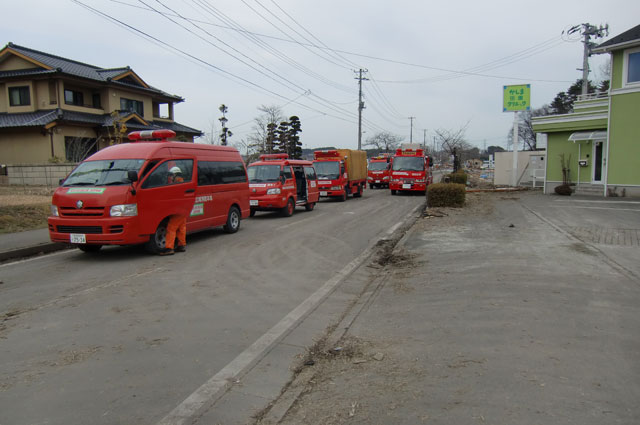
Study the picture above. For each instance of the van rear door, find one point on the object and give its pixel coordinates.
(158, 197)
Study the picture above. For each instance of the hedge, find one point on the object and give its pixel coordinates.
(446, 195)
(459, 177)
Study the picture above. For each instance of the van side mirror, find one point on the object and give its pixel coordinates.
(60, 182)
(132, 176)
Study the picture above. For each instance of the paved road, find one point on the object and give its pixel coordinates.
(123, 337)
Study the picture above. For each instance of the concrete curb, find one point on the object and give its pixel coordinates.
(32, 250)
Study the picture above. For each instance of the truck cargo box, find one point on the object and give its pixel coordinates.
(355, 163)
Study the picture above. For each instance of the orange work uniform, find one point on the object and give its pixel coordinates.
(177, 226)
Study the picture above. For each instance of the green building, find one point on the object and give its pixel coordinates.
(600, 139)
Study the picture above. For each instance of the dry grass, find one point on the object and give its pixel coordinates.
(24, 208)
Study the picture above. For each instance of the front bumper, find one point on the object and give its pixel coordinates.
(102, 231)
(416, 187)
(267, 202)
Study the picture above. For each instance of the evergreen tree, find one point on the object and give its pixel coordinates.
(270, 140)
(282, 134)
(293, 139)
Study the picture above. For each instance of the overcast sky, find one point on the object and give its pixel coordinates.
(444, 63)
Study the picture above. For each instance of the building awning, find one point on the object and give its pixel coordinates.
(588, 135)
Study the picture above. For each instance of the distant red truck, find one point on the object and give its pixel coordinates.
(410, 171)
(379, 170)
(341, 172)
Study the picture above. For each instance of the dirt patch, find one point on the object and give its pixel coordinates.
(24, 208)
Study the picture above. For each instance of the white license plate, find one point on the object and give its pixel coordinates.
(323, 193)
(406, 186)
(78, 238)
(377, 181)
(253, 202)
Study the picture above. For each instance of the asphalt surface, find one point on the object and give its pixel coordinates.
(124, 337)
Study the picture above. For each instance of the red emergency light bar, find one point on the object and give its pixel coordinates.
(273, 156)
(152, 134)
(410, 152)
(326, 154)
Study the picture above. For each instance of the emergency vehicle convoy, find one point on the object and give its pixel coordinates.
(279, 183)
(410, 171)
(341, 172)
(124, 194)
(379, 169)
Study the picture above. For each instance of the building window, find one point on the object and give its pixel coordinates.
(132, 105)
(96, 101)
(19, 96)
(73, 97)
(631, 68)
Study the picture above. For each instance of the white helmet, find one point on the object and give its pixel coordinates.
(175, 170)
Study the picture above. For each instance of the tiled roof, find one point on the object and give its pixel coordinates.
(79, 69)
(26, 72)
(625, 38)
(42, 118)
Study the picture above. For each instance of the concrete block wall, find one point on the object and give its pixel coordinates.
(37, 174)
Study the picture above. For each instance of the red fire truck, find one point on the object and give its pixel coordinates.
(410, 171)
(341, 172)
(277, 183)
(379, 170)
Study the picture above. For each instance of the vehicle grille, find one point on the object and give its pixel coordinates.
(93, 230)
(83, 212)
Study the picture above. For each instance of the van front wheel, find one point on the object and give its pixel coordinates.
(157, 241)
(288, 209)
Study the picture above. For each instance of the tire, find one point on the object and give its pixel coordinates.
(252, 213)
(89, 248)
(343, 197)
(158, 240)
(393, 192)
(288, 209)
(233, 220)
(370, 185)
(309, 207)
(358, 194)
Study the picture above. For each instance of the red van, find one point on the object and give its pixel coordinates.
(122, 195)
(278, 183)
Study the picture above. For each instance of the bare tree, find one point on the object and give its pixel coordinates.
(383, 141)
(525, 127)
(226, 133)
(258, 140)
(452, 142)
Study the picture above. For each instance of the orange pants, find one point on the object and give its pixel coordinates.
(177, 226)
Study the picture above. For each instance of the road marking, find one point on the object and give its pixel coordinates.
(212, 390)
(596, 208)
(39, 257)
(597, 201)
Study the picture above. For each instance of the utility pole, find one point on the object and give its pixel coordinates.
(424, 140)
(411, 134)
(360, 78)
(588, 31)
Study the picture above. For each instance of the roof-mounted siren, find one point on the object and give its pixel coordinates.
(273, 156)
(151, 135)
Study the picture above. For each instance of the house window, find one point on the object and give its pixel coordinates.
(96, 100)
(19, 96)
(132, 105)
(73, 97)
(631, 70)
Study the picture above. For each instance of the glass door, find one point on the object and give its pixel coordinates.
(598, 160)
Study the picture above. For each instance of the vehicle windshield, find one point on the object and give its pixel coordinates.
(327, 169)
(103, 173)
(377, 166)
(408, 163)
(263, 173)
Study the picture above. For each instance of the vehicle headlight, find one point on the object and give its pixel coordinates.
(419, 181)
(385, 178)
(126, 210)
(274, 191)
(54, 211)
(336, 187)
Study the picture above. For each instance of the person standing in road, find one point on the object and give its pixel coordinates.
(177, 225)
